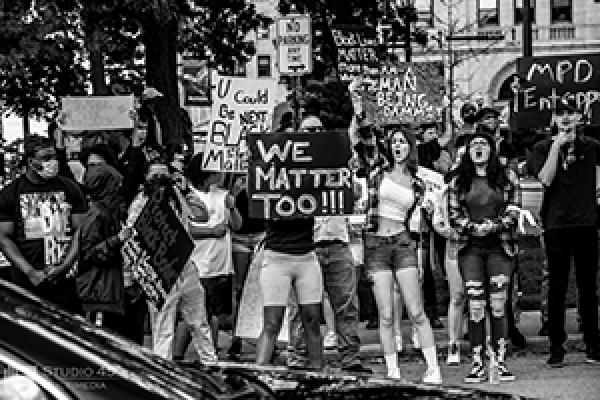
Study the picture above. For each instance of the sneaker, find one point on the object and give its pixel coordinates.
(593, 355)
(476, 374)
(436, 323)
(505, 374)
(415, 339)
(330, 340)
(399, 346)
(433, 376)
(453, 354)
(557, 358)
(357, 368)
(394, 373)
(517, 339)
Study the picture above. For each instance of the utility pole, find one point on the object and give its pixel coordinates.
(527, 30)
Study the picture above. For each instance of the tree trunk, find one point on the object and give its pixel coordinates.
(97, 71)
(26, 128)
(160, 41)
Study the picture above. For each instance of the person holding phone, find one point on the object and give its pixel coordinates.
(566, 166)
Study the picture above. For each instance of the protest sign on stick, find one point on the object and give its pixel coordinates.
(295, 175)
(96, 113)
(544, 82)
(240, 106)
(159, 250)
(409, 93)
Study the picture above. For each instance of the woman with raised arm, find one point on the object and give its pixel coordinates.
(390, 247)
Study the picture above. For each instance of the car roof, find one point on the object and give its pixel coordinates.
(115, 354)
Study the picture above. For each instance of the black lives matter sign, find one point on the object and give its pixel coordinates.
(296, 175)
(544, 82)
(163, 239)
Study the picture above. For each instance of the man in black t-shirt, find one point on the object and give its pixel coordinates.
(39, 214)
(566, 166)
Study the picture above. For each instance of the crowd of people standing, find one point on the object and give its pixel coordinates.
(471, 234)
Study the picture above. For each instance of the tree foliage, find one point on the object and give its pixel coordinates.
(40, 60)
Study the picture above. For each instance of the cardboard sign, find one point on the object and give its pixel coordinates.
(159, 249)
(409, 93)
(196, 85)
(295, 175)
(97, 113)
(546, 81)
(357, 51)
(240, 106)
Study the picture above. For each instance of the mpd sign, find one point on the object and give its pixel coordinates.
(295, 45)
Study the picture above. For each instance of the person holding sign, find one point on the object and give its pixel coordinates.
(566, 166)
(290, 259)
(482, 203)
(187, 294)
(390, 250)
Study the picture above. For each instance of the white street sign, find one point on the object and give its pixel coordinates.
(295, 45)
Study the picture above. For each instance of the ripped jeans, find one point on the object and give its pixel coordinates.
(486, 274)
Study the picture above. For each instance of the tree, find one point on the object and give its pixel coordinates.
(39, 58)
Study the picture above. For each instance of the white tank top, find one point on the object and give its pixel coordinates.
(394, 200)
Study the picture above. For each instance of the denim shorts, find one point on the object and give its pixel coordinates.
(390, 253)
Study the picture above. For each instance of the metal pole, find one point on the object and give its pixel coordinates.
(527, 30)
(450, 76)
(297, 87)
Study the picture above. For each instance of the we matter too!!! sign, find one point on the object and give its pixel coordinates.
(295, 175)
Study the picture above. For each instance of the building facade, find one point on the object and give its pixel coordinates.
(482, 68)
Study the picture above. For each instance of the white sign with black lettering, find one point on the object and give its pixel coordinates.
(295, 44)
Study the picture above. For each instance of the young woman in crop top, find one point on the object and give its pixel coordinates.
(390, 251)
(483, 212)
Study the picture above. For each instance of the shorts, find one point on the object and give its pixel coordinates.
(281, 270)
(390, 253)
(247, 242)
(219, 292)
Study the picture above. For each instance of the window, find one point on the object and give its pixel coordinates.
(263, 31)
(424, 12)
(264, 66)
(488, 12)
(239, 69)
(519, 11)
(561, 11)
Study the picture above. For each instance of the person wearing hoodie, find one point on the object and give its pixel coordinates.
(99, 279)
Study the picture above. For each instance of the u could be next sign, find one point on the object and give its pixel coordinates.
(295, 44)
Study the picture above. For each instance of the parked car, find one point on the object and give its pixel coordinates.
(47, 353)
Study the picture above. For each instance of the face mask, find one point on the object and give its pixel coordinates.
(48, 169)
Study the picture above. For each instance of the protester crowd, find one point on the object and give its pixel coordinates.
(309, 266)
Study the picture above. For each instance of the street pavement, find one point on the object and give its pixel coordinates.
(576, 380)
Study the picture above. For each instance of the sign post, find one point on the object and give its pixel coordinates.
(294, 37)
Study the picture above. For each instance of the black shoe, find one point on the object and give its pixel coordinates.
(557, 358)
(543, 330)
(436, 324)
(476, 374)
(517, 339)
(505, 374)
(357, 368)
(593, 355)
(235, 350)
(372, 324)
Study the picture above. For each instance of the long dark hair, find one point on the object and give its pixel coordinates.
(495, 172)
(412, 161)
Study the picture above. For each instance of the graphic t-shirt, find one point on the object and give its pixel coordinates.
(41, 214)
